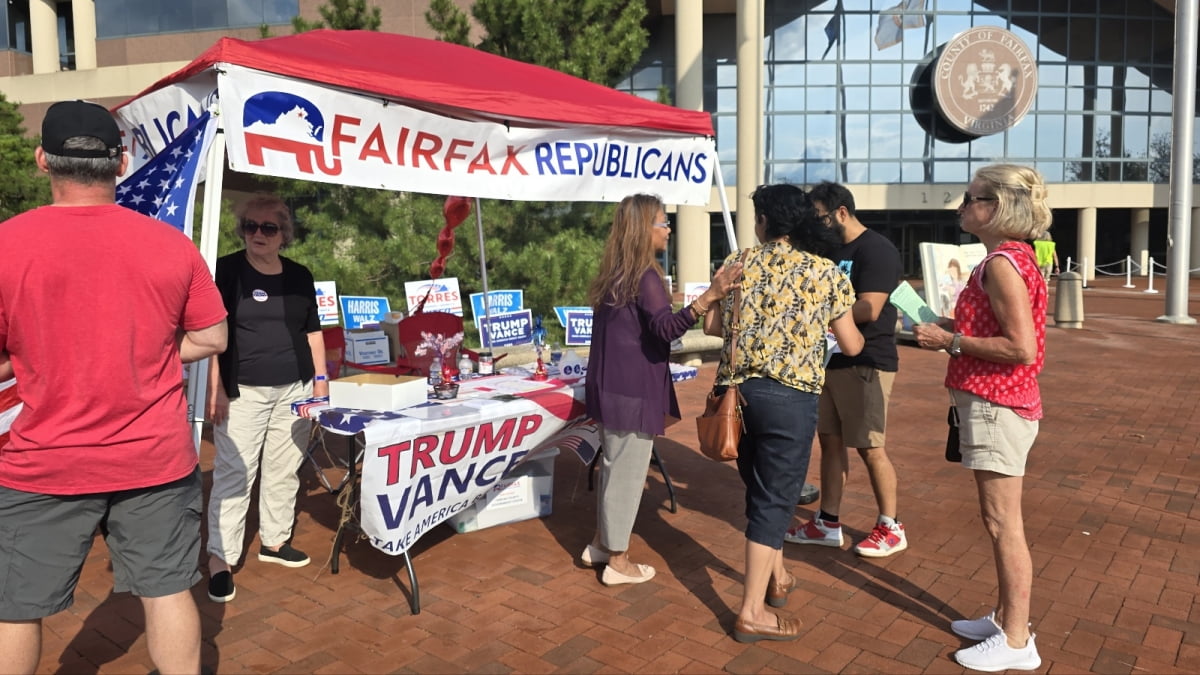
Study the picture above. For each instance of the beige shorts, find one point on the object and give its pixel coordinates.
(992, 437)
(854, 404)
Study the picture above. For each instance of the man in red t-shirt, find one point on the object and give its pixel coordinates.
(99, 308)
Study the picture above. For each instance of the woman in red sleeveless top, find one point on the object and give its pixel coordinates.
(997, 344)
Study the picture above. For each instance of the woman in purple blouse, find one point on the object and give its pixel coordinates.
(629, 389)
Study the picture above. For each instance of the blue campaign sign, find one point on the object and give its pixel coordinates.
(561, 313)
(360, 310)
(579, 328)
(502, 302)
(506, 330)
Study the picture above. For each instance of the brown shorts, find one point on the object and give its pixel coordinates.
(854, 404)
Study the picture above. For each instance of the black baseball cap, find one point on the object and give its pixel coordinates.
(68, 119)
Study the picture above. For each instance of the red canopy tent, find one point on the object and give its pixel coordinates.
(430, 73)
(405, 113)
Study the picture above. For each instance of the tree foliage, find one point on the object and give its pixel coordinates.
(22, 186)
(342, 15)
(597, 40)
(1154, 166)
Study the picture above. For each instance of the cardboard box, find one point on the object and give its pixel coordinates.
(527, 492)
(368, 347)
(389, 325)
(377, 391)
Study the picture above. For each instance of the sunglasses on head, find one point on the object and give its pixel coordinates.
(968, 198)
(268, 229)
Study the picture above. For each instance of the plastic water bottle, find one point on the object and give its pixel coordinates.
(466, 368)
(435, 371)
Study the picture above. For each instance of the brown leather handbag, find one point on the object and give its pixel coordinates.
(720, 427)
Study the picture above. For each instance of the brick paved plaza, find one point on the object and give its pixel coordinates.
(1111, 516)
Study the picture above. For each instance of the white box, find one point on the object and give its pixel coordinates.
(368, 347)
(377, 391)
(527, 492)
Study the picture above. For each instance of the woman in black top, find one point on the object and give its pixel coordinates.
(276, 356)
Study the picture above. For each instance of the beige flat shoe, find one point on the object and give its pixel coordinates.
(593, 555)
(612, 577)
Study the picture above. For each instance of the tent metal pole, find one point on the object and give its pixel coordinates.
(729, 235)
(214, 176)
(487, 300)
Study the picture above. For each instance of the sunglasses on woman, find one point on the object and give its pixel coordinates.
(968, 198)
(268, 229)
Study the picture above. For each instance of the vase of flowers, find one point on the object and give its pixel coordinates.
(444, 348)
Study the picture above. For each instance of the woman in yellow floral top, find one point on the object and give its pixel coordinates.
(790, 295)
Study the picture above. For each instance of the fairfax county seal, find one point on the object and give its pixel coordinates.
(985, 81)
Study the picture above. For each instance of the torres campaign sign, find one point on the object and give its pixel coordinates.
(693, 290)
(327, 302)
(443, 296)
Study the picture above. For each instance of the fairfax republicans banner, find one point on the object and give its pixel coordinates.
(290, 128)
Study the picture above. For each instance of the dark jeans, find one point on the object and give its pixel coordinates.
(773, 455)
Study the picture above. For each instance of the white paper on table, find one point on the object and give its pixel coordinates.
(524, 386)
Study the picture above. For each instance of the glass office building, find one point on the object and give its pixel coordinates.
(835, 96)
(837, 77)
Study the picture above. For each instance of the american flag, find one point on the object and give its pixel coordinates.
(10, 405)
(165, 187)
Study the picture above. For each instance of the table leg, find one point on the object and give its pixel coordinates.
(349, 483)
(412, 580)
(657, 461)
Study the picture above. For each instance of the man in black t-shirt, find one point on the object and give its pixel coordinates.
(854, 401)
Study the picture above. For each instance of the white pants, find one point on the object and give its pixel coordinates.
(261, 432)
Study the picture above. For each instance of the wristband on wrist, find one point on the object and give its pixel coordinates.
(696, 311)
(320, 378)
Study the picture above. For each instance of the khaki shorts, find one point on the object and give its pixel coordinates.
(854, 404)
(992, 437)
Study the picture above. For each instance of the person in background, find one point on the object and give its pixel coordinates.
(854, 400)
(276, 357)
(997, 345)
(791, 294)
(629, 389)
(1047, 256)
(103, 440)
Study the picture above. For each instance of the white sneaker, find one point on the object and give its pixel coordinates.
(994, 655)
(817, 532)
(976, 629)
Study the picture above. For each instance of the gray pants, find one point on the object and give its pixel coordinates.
(623, 466)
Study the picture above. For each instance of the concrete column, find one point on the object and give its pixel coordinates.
(1087, 243)
(691, 222)
(43, 28)
(83, 13)
(1195, 252)
(1139, 237)
(749, 122)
